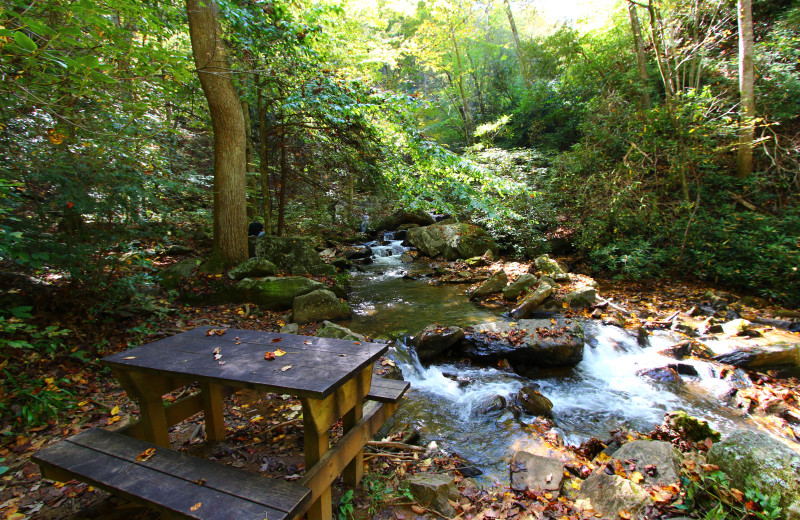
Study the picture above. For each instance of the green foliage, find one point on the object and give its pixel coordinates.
(33, 399)
(16, 332)
(346, 505)
(711, 495)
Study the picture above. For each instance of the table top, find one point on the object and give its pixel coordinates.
(316, 366)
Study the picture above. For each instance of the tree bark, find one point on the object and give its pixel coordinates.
(468, 126)
(263, 162)
(522, 64)
(747, 109)
(230, 202)
(641, 59)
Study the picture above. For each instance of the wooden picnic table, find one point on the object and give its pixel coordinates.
(331, 377)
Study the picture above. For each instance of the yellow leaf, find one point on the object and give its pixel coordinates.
(279, 353)
(196, 506)
(115, 410)
(637, 477)
(146, 455)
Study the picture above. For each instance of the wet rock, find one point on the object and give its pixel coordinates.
(661, 374)
(773, 354)
(332, 330)
(535, 473)
(490, 406)
(493, 285)
(319, 305)
(275, 293)
(406, 258)
(691, 427)
(287, 252)
(533, 402)
(435, 339)
(527, 343)
(609, 494)
(684, 369)
(358, 253)
(434, 491)
(662, 460)
(532, 301)
(547, 265)
(512, 291)
(733, 327)
(757, 460)
(452, 241)
(687, 348)
(581, 298)
(253, 268)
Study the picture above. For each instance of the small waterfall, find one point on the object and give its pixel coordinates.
(387, 249)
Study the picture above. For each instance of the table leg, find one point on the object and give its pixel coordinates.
(212, 395)
(354, 471)
(147, 391)
(316, 443)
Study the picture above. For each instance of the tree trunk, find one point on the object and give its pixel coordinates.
(522, 64)
(747, 109)
(263, 162)
(468, 126)
(230, 203)
(282, 187)
(641, 59)
(662, 53)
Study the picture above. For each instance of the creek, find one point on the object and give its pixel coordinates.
(601, 394)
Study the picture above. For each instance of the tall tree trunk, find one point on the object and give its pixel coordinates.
(662, 53)
(523, 66)
(747, 110)
(263, 162)
(468, 126)
(230, 202)
(282, 187)
(641, 59)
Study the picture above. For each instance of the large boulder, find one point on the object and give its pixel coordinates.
(405, 218)
(275, 293)
(435, 339)
(535, 473)
(253, 268)
(319, 305)
(171, 277)
(581, 298)
(607, 495)
(288, 253)
(332, 330)
(452, 241)
(512, 291)
(527, 343)
(756, 459)
(493, 285)
(435, 491)
(532, 302)
(547, 265)
(778, 353)
(662, 460)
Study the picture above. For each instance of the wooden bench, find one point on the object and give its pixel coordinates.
(387, 390)
(169, 481)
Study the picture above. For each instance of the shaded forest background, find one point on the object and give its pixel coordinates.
(620, 136)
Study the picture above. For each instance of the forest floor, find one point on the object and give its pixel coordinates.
(265, 431)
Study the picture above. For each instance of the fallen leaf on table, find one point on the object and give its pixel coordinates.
(200, 482)
(277, 340)
(279, 352)
(269, 356)
(307, 342)
(146, 455)
(196, 506)
(287, 367)
(130, 357)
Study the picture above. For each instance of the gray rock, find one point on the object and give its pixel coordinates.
(290, 328)
(493, 285)
(178, 250)
(433, 491)
(288, 252)
(253, 268)
(581, 298)
(435, 339)
(342, 262)
(275, 293)
(547, 265)
(767, 354)
(319, 305)
(170, 277)
(402, 219)
(490, 406)
(332, 330)
(512, 291)
(528, 343)
(535, 473)
(452, 241)
(532, 301)
(533, 402)
(316, 270)
(756, 459)
(660, 455)
(608, 494)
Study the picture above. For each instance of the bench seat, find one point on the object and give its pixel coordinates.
(169, 481)
(387, 390)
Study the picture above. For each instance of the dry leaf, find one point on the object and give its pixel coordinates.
(269, 356)
(196, 506)
(637, 477)
(115, 410)
(738, 495)
(130, 357)
(146, 455)
(279, 352)
(200, 482)
(624, 514)
(277, 340)
(287, 367)
(418, 510)
(307, 342)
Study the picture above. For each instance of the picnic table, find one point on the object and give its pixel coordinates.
(331, 377)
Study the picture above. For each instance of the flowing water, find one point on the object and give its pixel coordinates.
(601, 394)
